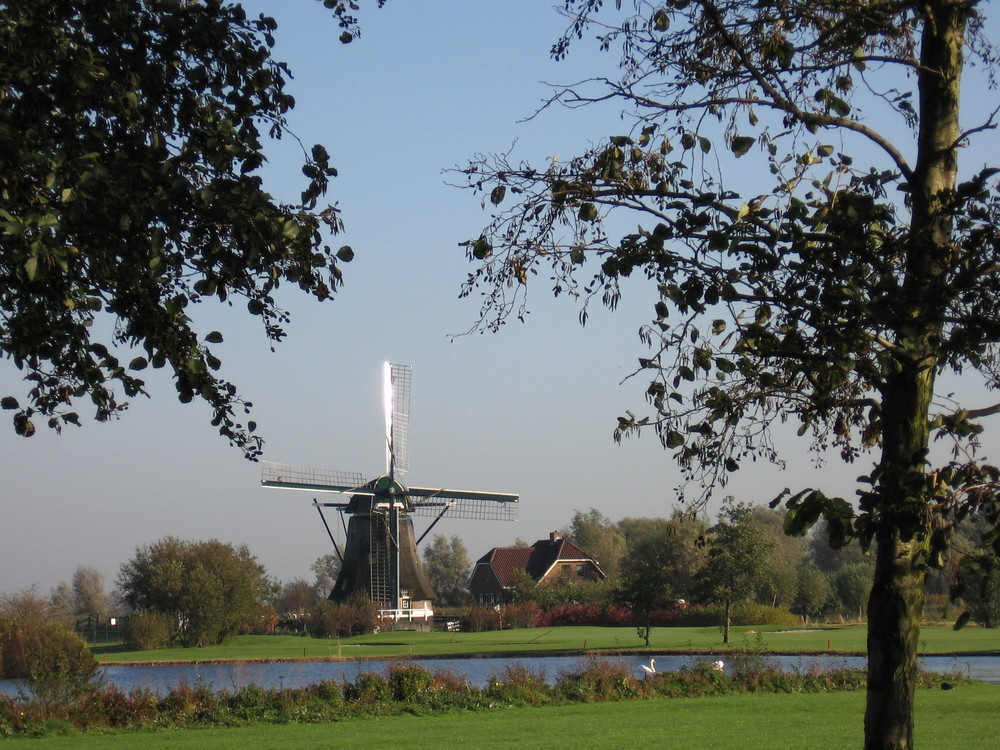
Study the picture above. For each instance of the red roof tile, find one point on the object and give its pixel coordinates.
(537, 559)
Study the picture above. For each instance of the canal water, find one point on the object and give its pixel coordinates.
(479, 671)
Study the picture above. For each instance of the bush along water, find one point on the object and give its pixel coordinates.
(407, 688)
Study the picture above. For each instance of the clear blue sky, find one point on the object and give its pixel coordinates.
(530, 410)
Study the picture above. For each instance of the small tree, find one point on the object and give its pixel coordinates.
(853, 585)
(980, 577)
(654, 570)
(326, 568)
(736, 565)
(91, 597)
(813, 593)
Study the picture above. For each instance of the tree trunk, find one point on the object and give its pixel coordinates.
(894, 612)
(900, 505)
(727, 617)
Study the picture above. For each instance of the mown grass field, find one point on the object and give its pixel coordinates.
(964, 717)
(934, 639)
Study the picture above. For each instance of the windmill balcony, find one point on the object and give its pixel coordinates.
(418, 611)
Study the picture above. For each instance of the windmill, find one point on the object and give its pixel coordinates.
(380, 557)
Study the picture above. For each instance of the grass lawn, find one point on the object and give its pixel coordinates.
(964, 717)
(934, 639)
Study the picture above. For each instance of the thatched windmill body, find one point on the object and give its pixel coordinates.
(380, 558)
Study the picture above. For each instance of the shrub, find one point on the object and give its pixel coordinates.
(36, 647)
(411, 683)
(600, 681)
(519, 686)
(331, 620)
(696, 680)
(249, 702)
(60, 667)
(520, 615)
(187, 705)
(368, 687)
(478, 619)
(761, 614)
(590, 613)
(118, 709)
(147, 630)
(328, 691)
(743, 614)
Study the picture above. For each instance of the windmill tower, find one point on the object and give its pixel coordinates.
(380, 557)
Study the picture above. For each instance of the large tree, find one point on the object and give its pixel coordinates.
(133, 135)
(599, 537)
(209, 590)
(826, 283)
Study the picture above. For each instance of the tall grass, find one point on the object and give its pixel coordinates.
(406, 688)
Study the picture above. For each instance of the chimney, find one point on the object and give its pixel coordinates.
(555, 536)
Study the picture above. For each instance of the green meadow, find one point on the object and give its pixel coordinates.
(964, 717)
(934, 639)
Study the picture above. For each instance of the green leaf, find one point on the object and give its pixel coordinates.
(962, 620)
(674, 439)
(8, 402)
(741, 144)
(482, 249)
(839, 106)
(23, 426)
(214, 337)
(588, 212)
(346, 254)
(31, 267)
(497, 195)
(139, 363)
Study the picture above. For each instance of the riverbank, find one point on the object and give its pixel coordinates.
(561, 641)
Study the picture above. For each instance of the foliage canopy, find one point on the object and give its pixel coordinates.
(130, 192)
(209, 590)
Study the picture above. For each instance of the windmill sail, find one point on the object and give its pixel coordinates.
(396, 392)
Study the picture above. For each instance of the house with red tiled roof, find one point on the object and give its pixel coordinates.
(547, 560)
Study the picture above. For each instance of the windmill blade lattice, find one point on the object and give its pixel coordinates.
(487, 506)
(397, 408)
(291, 477)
